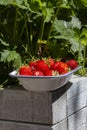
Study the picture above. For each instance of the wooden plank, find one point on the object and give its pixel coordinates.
(21, 105)
(78, 120)
(8, 106)
(79, 84)
(0, 103)
(6, 125)
(61, 125)
(48, 108)
(76, 103)
(41, 108)
(59, 109)
(16, 105)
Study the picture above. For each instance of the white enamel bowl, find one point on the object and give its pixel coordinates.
(43, 83)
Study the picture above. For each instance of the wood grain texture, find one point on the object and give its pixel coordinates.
(61, 125)
(62, 109)
(78, 121)
(24, 106)
(6, 125)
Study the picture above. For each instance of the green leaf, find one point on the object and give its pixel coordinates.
(66, 34)
(8, 56)
(84, 41)
(75, 45)
(36, 5)
(49, 14)
(59, 25)
(3, 43)
(80, 3)
(84, 3)
(18, 5)
(75, 22)
(83, 37)
(4, 55)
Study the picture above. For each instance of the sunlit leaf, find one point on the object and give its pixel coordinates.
(75, 45)
(59, 25)
(84, 2)
(83, 37)
(9, 56)
(75, 23)
(3, 43)
(49, 14)
(84, 41)
(4, 55)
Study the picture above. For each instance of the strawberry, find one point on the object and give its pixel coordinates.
(55, 65)
(72, 64)
(33, 64)
(38, 73)
(51, 73)
(25, 70)
(61, 67)
(42, 66)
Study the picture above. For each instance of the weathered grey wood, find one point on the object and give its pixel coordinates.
(5, 125)
(16, 105)
(59, 109)
(62, 109)
(21, 105)
(25, 106)
(61, 125)
(41, 107)
(77, 96)
(78, 121)
(76, 103)
(79, 84)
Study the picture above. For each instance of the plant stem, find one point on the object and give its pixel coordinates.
(42, 29)
(22, 29)
(84, 58)
(79, 48)
(15, 24)
(41, 37)
(50, 30)
(27, 36)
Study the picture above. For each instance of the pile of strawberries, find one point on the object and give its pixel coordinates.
(47, 67)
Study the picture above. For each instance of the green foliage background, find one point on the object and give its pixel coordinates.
(58, 27)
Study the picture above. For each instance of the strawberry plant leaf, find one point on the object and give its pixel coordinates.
(59, 25)
(49, 14)
(3, 43)
(83, 37)
(4, 55)
(8, 56)
(84, 3)
(75, 22)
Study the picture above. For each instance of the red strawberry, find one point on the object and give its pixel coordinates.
(51, 73)
(42, 66)
(72, 64)
(55, 65)
(33, 64)
(62, 67)
(25, 70)
(38, 73)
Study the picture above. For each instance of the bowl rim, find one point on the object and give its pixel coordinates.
(15, 74)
